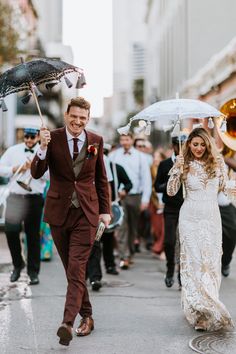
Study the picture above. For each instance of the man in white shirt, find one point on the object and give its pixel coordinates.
(136, 166)
(23, 206)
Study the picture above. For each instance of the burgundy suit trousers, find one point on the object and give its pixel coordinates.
(74, 241)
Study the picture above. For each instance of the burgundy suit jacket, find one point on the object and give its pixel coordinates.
(91, 184)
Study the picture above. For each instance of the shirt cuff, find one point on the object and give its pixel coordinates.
(41, 153)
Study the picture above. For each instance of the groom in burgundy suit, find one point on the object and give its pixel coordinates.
(77, 200)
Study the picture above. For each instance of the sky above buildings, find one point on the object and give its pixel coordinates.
(87, 28)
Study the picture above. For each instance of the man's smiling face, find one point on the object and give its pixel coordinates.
(76, 120)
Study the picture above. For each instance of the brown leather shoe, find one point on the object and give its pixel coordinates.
(65, 334)
(86, 326)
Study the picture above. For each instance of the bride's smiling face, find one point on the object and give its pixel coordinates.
(197, 147)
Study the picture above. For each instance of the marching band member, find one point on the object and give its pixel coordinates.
(228, 216)
(23, 207)
(137, 199)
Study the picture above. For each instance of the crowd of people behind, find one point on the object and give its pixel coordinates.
(166, 198)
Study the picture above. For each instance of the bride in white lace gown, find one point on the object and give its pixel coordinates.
(200, 231)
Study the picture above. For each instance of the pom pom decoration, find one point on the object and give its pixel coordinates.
(36, 91)
(68, 82)
(223, 127)
(148, 129)
(142, 123)
(124, 130)
(210, 123)
(176, 130)
(25, 99)
(81, 81)
(3, 105)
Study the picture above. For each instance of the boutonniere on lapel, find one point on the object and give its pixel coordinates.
(92, 150)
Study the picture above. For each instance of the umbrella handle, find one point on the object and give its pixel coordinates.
(182, 168)
(37, 104)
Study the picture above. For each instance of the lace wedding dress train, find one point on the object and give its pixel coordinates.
(201, 247)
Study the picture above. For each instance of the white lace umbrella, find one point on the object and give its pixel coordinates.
(174, 110)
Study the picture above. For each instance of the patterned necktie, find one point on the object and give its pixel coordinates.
(75, 149)
(29, 150)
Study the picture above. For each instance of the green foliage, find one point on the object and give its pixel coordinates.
(8, 35)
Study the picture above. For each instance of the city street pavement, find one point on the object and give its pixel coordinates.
(133, 312)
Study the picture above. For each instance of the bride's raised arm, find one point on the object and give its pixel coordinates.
(174, 181)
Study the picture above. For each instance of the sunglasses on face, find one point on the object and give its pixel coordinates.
(32, 137)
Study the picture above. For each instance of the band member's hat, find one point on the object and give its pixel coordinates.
(181, 137)
(31, 130)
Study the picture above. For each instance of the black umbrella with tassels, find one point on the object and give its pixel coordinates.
(28, 75)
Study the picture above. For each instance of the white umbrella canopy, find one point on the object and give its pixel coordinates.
(174, 110)
(179, 108)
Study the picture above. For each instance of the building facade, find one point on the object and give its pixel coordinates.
(129, 53)
(182, 37)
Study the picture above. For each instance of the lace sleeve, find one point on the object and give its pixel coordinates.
(223, 175)
(174, 181)
(226, 185)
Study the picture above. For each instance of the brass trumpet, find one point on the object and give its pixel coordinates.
(16, 178)
(6, 190)
(26, 183)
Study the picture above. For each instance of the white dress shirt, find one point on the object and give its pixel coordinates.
(16, 156)
(108, 168)
(137, 167)
(81, 139)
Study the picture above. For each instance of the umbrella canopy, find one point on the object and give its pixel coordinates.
(38, 71)
(179, 108)
(28, 75)
(175, 110)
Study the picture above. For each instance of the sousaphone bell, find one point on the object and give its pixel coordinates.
(228, 135)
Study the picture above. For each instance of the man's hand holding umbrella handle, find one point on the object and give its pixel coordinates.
(106, 218)
(45, 137)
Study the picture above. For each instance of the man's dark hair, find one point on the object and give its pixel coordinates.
(78, 102)
(175, 139)
(128, 134)
(139, 139)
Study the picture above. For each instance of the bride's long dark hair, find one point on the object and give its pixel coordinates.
(210, 156)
